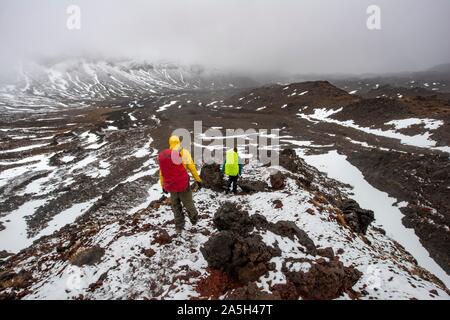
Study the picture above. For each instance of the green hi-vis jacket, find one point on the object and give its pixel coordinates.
(232, 167)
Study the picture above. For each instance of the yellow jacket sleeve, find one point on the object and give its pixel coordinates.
(189, 164)
(161, 178)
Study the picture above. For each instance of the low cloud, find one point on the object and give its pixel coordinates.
(292, 36)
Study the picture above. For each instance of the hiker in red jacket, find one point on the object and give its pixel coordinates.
(173, 165)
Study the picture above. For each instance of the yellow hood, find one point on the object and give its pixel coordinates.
(174, 142)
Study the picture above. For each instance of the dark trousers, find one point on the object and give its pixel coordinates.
(180, 199)
(232, 180)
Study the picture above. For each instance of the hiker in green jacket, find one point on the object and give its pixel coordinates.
(232, 168)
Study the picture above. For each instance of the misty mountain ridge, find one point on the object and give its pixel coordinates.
(70, 82)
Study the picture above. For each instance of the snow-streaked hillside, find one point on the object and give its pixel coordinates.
(72, 83)
(138, 255)
(80, 215)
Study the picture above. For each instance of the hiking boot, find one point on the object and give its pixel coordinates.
(194, 221)
(178, 230)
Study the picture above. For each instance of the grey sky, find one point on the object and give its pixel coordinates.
(297, 36)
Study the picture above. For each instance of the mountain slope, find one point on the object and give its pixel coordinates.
(97, 160)
(138, 255)
(74, 83)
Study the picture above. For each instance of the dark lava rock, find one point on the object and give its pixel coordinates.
(162, 238)
(358, 219)
(259, 221)
(218, 249)
(326, 252)
(149, 252)
(252, 186)
(5, 254)
(290, 161)
(278, 181)
(215, 284)
(244, 258)
(228, 217)
(324, 280)
(212, 177)
(433, 291)
(380, 230)
(287, 291)
(90, 256)
(289, 229)
(15, 280)
(277, 204)
(251, 292)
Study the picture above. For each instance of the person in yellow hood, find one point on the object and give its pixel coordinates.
(174, 164)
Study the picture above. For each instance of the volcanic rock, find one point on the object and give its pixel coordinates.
(212, 177)
(89, 256)
(228, 217)
(252, 186)
(278, 181)
(244, 258)
(358, 219)
(324, 280)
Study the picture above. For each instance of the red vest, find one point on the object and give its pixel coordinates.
(175, 176)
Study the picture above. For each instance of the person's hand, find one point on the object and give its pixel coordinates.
(196, 186)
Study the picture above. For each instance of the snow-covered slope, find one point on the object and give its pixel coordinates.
(137, 255)
(71, 83)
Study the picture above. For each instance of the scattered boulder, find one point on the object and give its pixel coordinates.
(13, 280)
(356, 218)
(287, 291)
(94, 286)
(218, 249)
(162, 238)
(289, 229)
(252, 186)
(278, 181)
(326, 252)
(277, 204)
(243, 258)
(5, 254)
(380, 230)
(148, 252)
(89, 256)
(229, 217)
(324, 280)
(434, 292)
(289, 160)
(215, 284)
(212, 177)
(251, 292)
(259, 221)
